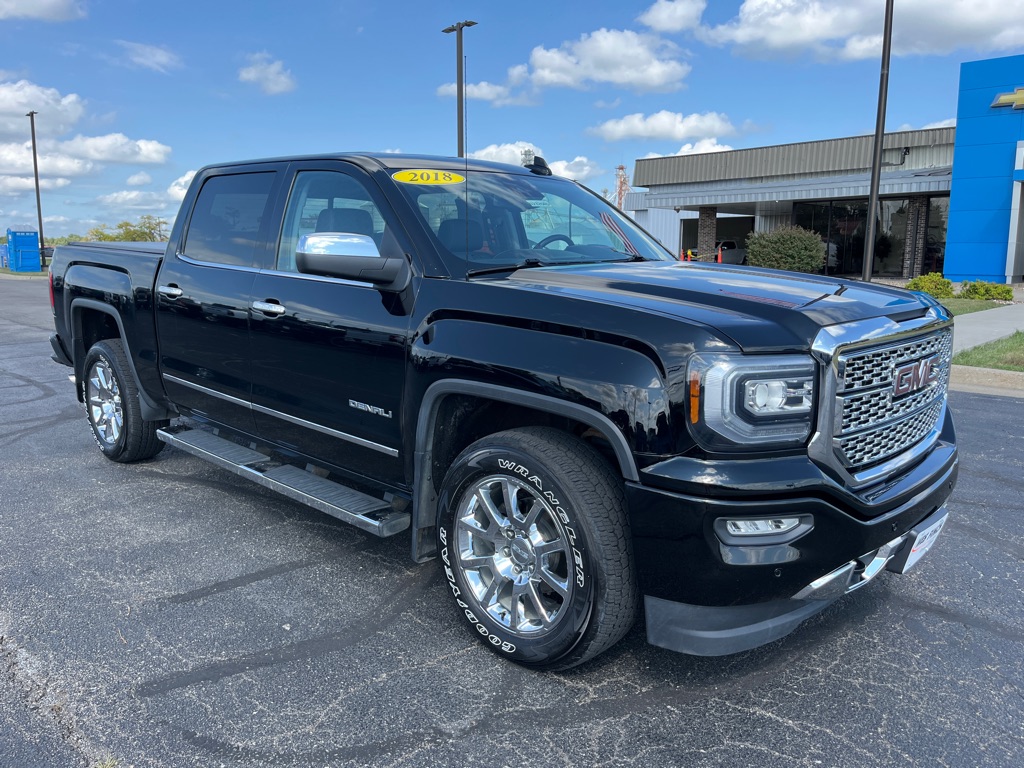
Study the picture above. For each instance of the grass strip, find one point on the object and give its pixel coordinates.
(1006, 354)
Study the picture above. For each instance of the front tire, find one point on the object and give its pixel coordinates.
(112, 405)
(535, 546)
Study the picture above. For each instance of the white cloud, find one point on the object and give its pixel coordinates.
(116, 148)
(703, 146)
(665, 125)
(580, 168)
(12, 186)
(139, 179)
(154, 57)
(947, 123)
(17, 159)
(673, 15)
(134, 200)
(618, 57)
(641, 62)
(484, 91)
(271, 76)
(176, 191)
(518, 74)
(391, 151)
(506, 153)
(43, 10)
(57, 113)
(844, 30)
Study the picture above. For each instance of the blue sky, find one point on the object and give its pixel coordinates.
(134, 95)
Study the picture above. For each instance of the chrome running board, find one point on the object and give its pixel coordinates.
(351, 506)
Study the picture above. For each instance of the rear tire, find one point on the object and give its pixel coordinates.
(535, 545)
(112, 405)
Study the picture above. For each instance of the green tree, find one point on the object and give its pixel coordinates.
(148, 229)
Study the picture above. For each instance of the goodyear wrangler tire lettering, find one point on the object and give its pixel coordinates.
(534, 540)
(494, 640)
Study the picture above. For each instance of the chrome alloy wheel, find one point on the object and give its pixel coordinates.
(103, 397)
(514, 554)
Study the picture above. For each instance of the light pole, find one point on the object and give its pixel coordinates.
(876, 155)
(460, 77)
(35, 168)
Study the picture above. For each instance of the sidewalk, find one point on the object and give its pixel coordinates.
(980, 328)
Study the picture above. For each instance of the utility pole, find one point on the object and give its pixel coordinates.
(460, 77)
(35, 168)
(876, 158)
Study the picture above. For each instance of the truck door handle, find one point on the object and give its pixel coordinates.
(269, 307)
(170, 291)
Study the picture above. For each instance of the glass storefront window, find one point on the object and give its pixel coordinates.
(935, 245)
(891, 243)
(817, 218)
(842, 225)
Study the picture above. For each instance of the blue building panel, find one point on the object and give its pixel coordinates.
(984, 195)
(989, 73)
(982, 130)
(983, 212)
(984, 161)
(981, 226)
(978, 104)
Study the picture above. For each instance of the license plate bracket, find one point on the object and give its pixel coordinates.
(918, 542)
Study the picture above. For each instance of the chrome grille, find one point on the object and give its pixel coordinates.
(890, 439)
(873, 424)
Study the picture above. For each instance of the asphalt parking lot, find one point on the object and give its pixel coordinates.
(171, 614)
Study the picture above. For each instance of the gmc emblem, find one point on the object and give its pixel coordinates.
(914, 376)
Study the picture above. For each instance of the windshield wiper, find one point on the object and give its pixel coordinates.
(528, 263)
(524, 264)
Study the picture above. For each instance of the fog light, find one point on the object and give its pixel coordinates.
(774, 525)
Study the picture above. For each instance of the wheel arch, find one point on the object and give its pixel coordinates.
(93, 321)
(430, 452)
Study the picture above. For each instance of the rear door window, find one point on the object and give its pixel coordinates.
(227, 222)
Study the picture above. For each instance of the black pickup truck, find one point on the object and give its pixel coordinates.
(501, 365)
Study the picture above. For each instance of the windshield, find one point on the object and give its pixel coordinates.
(497, 220)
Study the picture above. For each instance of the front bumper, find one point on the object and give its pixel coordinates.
(703, 630)
(708, 596)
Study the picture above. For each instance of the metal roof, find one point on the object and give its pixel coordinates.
(742, 196)
(831, 156)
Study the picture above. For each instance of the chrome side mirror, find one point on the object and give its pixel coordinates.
(350, 256)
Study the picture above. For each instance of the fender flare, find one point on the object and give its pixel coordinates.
(151, 410)
(424, 498)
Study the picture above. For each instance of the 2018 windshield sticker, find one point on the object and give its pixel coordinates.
(420, 176)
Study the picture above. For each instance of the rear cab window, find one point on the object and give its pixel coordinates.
(227, 221)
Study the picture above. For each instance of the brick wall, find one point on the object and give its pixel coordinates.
(917, 236)
(707, 232)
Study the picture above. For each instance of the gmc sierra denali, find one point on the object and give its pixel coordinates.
(499, 364)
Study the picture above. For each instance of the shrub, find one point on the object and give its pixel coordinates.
(982, 290)
(933, 283)
(792, 248)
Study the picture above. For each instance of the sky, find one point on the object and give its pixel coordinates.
(133, 96)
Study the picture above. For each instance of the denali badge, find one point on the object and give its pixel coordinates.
(369, 409)
(914, 376)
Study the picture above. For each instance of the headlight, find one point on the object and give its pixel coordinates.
(746, 402)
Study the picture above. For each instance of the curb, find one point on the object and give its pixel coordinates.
(986, 381)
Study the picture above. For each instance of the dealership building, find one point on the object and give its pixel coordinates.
(949, 198)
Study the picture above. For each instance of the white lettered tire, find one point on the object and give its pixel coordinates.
(535, 547)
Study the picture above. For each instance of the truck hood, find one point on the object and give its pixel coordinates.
(758, 309)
